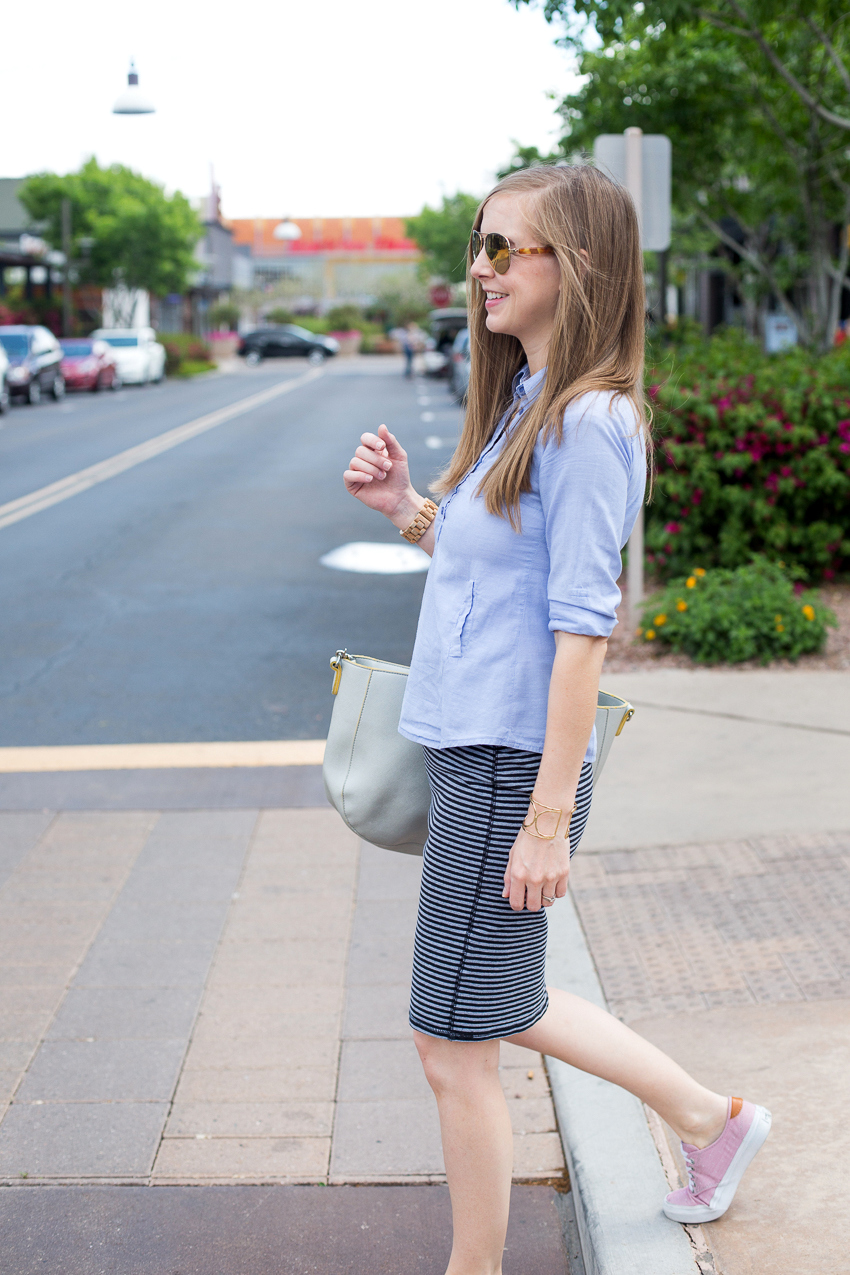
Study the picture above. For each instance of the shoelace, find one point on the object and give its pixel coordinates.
(690, 1171)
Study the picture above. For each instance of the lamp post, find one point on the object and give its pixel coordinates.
(66, 273)
(641, 162)
(132, 101)
(634, 185)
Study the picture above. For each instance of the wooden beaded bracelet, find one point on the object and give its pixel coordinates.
(420, 523)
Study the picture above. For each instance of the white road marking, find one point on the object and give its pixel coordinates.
(434, 442)
(376, 558)
(25, 506)
(269, 752)
(426, 416)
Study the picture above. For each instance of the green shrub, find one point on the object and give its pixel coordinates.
(183, 348)
(372, 341)
(754, 612)
(191, 367)
(281, 316)
(753, 457)
(312, 323)
(344, 318)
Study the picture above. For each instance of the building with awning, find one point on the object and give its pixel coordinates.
(24, 257)
(332, 259)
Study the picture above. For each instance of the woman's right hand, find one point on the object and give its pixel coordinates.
(378, 474)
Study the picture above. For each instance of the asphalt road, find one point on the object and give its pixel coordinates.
(184, 599)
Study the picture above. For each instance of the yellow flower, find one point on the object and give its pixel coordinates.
(681, 604)
(649, 635)
(780, 628)
(809, 611)
(659, 620)
(691, 581)
(777, 619)
(699, 571)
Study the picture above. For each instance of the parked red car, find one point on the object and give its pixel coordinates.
(89, 365)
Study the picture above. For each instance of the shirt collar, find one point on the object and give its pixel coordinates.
(528, 387)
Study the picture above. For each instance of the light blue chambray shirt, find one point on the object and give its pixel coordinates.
(494, 597)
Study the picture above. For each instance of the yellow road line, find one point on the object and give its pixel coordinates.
(33, 503)
(269, 752)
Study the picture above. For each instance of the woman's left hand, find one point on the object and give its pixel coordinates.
(536, 869)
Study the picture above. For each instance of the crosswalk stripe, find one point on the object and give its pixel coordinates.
(223, 753)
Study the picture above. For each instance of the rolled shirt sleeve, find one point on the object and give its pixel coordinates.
(591, 489)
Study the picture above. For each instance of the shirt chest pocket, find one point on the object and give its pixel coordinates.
(462, 630)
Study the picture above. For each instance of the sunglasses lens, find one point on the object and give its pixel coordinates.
(475, 245)
(498, 252)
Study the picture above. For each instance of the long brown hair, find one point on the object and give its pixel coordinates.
(598, 336)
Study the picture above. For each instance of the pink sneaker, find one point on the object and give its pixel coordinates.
(715, 1171)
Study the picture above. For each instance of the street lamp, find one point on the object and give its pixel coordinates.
(132, 101)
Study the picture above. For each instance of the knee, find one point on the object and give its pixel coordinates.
(457, 1065)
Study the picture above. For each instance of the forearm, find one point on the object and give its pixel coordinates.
(573, 693)
(539, 863)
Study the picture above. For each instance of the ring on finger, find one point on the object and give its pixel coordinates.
(547, 899)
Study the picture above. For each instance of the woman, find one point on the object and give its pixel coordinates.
(538, 501)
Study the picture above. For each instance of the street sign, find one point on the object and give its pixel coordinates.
(641, 162)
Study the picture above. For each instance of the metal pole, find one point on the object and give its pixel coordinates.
(634, 170)
(662, 288)
(634, 185)
(66, 273)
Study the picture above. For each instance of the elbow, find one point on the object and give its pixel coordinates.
(593, 646)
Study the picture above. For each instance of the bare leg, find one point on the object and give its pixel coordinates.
(477, 1147)
(591, 1039)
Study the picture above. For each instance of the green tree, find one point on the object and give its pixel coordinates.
(529, 157)
(124, 228)
(748, 91)
(226, 314)
(401, 299)
(443, 235)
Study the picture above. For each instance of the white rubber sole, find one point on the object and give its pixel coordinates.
(727, 1186)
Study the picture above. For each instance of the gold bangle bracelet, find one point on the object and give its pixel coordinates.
(539, 809)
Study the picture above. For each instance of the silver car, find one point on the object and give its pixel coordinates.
(459, 369)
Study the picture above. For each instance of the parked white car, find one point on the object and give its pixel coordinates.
(139, 356)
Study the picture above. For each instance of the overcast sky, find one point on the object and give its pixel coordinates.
(356, 107)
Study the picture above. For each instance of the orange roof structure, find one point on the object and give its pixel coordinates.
(366, 235)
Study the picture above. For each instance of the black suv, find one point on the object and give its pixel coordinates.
(287, 341)
(35, 357)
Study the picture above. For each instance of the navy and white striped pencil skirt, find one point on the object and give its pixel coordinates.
(478, 966)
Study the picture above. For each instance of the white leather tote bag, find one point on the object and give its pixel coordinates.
(374, 777)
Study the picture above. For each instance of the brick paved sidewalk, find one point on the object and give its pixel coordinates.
(198, 999)
(734, 957)
(218, 996)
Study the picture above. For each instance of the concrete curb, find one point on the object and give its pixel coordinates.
(617, 1178)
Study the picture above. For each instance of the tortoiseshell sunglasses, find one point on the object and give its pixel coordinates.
(499, 250)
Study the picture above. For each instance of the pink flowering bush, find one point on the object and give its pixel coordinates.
(752, 457)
